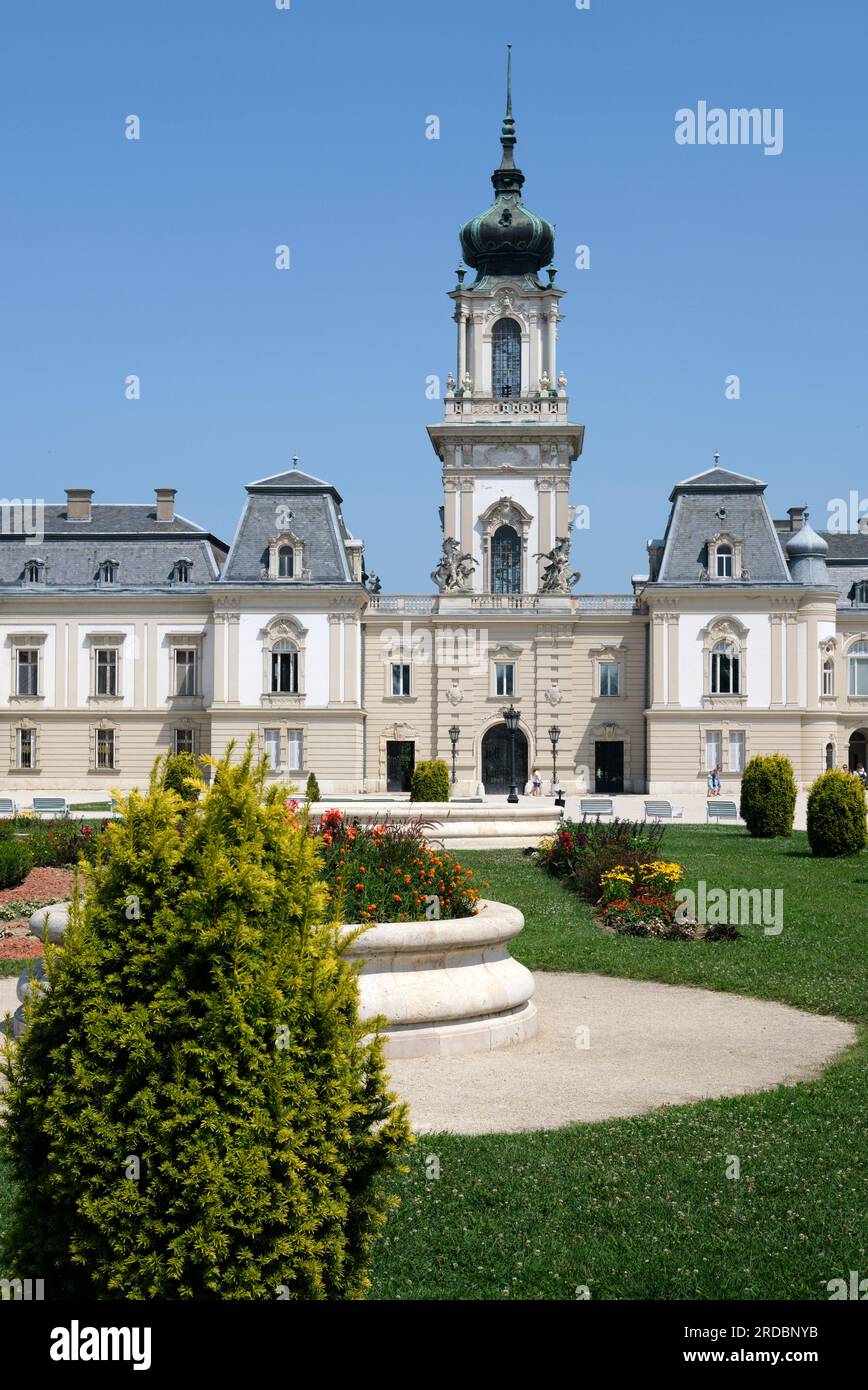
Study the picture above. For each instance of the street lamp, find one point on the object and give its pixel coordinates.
(554, 735)
(454, 735)
(511, 719)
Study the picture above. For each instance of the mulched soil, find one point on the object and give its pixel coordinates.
(42, 884)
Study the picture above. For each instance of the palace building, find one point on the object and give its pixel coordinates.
(129, 631)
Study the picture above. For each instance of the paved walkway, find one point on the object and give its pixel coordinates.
(650, 1045)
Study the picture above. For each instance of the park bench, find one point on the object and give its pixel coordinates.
(50, 806)
(721, 810)
(662, 810)
(600, 806)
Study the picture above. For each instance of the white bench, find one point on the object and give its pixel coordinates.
(50, 806)
(662, 810)
(721, 810)
(600, 806)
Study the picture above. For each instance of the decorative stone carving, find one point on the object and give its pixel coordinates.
(455, 694)
(557, 577)
(553, 694)
(454, 571)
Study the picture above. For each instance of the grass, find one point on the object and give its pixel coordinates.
(93, 806)
(642, 1207)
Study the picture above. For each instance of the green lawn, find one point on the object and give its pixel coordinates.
(642, 1208)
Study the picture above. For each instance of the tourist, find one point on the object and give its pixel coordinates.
(536, 782)
(716, 776)
(711, 791)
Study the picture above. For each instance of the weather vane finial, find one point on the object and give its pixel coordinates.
(716, 457)
(509, 79)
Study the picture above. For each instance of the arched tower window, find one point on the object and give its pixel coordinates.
(505, 561)
(506, 359)
(285, 562)
(725, 669)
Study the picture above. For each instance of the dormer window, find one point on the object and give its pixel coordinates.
(285, 562)
(724, 562)
(860, 594)
(285, 557)
(34, 572)
(725, 558)
(107, 572)
(182, 571)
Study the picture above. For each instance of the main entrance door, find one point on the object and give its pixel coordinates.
(497, 760)
(858, 749)
(400, 761)
(609, 764)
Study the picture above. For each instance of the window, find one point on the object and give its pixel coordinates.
(400, 678)
(830, 756)
(33, 572)
(106, 671)
(504, 678)
(295, 750)
(724, 669)
(272, 749)
(185, 671)
(108, 571)
(182, 572)
(858, 664)
(712, 749)
(25, 745)
(284, 668)
(724, 562)
(183, 741)
(27, 682)
(828, 677)
(105, 748)
(506, 359)
(860, 593)
(736, 750)
(285, 562)
(505, 561)
(610, 678)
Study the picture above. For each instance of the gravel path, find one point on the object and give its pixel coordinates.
(649, 1045)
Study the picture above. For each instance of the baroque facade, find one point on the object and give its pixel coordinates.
(129, 631)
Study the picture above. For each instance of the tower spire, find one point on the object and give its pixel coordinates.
(506, 177)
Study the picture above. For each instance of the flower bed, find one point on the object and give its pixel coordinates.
(583, 851)
(639, 900)
(388, 872)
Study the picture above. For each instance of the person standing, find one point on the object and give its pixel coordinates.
(536, 782)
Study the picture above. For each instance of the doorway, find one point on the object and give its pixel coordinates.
(497, 760)
(400, 761)
(609, 767)
(858, 749)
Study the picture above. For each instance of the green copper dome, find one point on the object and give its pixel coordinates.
(507, 239)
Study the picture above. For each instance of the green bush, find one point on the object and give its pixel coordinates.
(430, 781)
(768, 796)
(312, 792)
(193, 1112)
(16, 862)
(183, 774)
(836, 814)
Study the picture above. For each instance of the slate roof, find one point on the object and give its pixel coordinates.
(694, 519)
(146, 550)
(308, 507)
(846, 561)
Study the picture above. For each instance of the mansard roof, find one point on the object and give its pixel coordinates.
(846, 558)
(295, 502)
(714, 502)
(146, 549)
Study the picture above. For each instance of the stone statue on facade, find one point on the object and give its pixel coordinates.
(557, 577)
(454, 571)
(372, 583)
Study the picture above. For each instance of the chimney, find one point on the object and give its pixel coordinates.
(797, 518)
(165, 503)
(78, 503)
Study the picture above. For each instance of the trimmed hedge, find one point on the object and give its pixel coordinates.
(768, 796)
(836, 814)
(312, 791)
(194, 1111)
(430, 781)
(16, 861)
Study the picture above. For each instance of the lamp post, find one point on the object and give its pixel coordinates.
(554, 735)
(511, 718)
(454, 735)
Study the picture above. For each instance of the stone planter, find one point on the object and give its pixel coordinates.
(446, 987)
(443, 987)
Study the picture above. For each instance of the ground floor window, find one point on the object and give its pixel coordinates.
(400, 678)
(610, 678)
(184, 741)
(294, 750)
(736, 750)
(271, 739)
(712, 749)
(25, 747)
(105, 748)
(504, 678)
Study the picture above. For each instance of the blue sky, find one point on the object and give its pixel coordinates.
(307, 127)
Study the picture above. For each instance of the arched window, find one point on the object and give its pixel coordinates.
(284, 668)
(506, 359)
(724, 675)
(830, 756)
(285, 562)
(724, 562)
(828, 676)
(108, 572)
(33, 572)
(182, 571)
(858, 665)
(505, 561)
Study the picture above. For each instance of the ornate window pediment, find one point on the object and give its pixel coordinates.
(285, 558)
(283, 662)
(512, 563)
(724, 663)
(725, 557)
